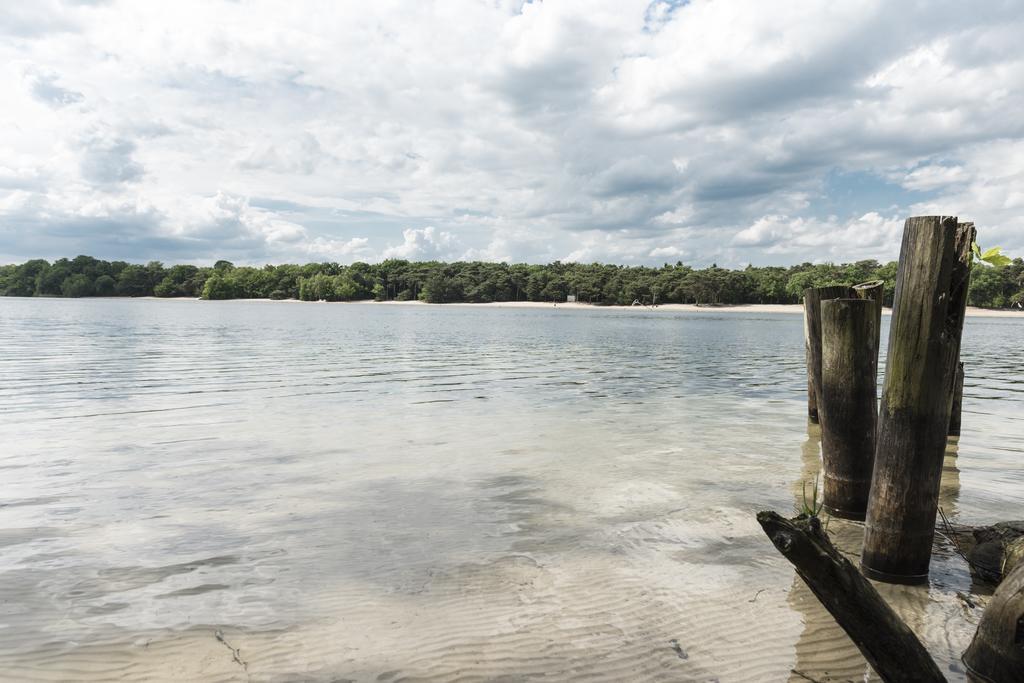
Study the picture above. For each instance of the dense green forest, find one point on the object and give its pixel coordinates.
(435, 282)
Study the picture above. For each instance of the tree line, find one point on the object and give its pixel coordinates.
(475, 281)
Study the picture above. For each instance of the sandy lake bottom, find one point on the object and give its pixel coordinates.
(269, 492)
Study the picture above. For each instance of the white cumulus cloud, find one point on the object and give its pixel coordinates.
(624, 130)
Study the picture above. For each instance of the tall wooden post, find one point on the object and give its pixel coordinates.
(848, 404)
(924, 336)
(958, 400)
(813, 297)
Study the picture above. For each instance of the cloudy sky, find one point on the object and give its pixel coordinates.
(625, 131)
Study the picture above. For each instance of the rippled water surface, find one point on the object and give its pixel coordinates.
(282, 491)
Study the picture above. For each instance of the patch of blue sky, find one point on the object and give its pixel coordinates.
(659, 12)
(851, 194)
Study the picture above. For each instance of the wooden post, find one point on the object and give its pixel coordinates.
(928, 312)
(848, 404)
(813, 297)
(874, 290)
(958, 385)
(812, 400)
(997, 652)
(958, 400)
(885, 640)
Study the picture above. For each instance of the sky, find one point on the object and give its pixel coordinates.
(626, 131)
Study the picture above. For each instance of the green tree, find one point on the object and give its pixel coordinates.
(134, 281)
(105, 286)
(998, 282)
(217, 286)
(50, 281)
(988, 288)
(78, 285)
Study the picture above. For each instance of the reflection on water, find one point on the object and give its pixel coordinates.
(949, 488)
(810, 472)
(298, 491)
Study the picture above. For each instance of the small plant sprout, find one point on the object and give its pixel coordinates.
(814, 508)
(991, 257)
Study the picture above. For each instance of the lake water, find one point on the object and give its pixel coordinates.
(282, 491)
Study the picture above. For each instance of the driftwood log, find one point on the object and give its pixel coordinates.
(924, 348)
(886, 641)
(848, 404)
(997, 652)
(813, 296)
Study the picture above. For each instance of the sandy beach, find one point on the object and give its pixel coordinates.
(670, 308)
(972, 311)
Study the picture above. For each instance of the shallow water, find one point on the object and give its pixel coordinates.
(281, 491)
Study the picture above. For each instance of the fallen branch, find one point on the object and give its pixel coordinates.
(886, 642)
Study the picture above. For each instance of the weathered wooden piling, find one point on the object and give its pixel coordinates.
(924, 336)
(848, 404)
(813, 296)
(875, 291)
(958, 384)
(958, 400)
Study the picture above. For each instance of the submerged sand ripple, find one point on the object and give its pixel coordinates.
(291, 493)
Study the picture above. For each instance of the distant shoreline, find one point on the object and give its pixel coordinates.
(972, 311)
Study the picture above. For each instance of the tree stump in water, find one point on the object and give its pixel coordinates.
(997, 652)
(847, 405)
(886, 642)
(924, 336)
(813, 297)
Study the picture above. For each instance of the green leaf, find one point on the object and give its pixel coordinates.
(992, 257)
